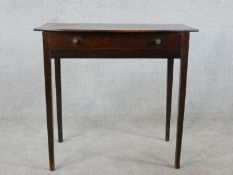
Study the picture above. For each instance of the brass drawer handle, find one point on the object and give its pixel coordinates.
(76, 41)
(157, 41)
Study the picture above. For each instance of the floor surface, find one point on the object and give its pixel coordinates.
(111, 147)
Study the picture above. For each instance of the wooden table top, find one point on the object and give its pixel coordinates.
(104, 27)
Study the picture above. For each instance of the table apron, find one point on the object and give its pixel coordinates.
(115, 53)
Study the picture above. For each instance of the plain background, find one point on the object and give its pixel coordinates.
(114, 110)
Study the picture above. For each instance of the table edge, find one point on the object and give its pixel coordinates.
(46, 29)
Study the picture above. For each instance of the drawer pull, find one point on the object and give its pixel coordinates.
(76, 41)
(157, 41)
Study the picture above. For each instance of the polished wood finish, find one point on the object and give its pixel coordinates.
(170, 63)
(64, 40)
(114, 45)
(104, 27)
(182, 93)
(115, 53)
(49, 99)
(115, 41)
(59, 98)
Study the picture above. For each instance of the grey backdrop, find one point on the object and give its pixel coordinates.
(114, 107)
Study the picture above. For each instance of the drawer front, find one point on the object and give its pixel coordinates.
(151, 40)
(82, 41)
(90, 40)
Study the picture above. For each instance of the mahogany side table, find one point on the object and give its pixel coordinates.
(82, 40)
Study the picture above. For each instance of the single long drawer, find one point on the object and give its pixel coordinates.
(87, 40)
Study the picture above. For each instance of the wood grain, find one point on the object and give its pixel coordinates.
(49, 99)
(104, 27)
(182, 93)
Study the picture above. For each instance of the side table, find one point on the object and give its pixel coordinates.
(83, 40)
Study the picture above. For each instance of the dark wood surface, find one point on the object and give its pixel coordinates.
(182, 94)
(49, 99)
(92, 27)
(115, 41)
(57, 67)
(170, 65)
(115, 45)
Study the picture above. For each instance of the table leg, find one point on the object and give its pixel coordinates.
(49, 102)
(59, 98)
(182, 93)
(170, 63)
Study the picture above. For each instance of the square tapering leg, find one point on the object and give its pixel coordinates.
(182, 93)
(170, 63)
(59, 98)
(49, 102)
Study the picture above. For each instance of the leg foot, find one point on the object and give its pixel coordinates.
(52, 167)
